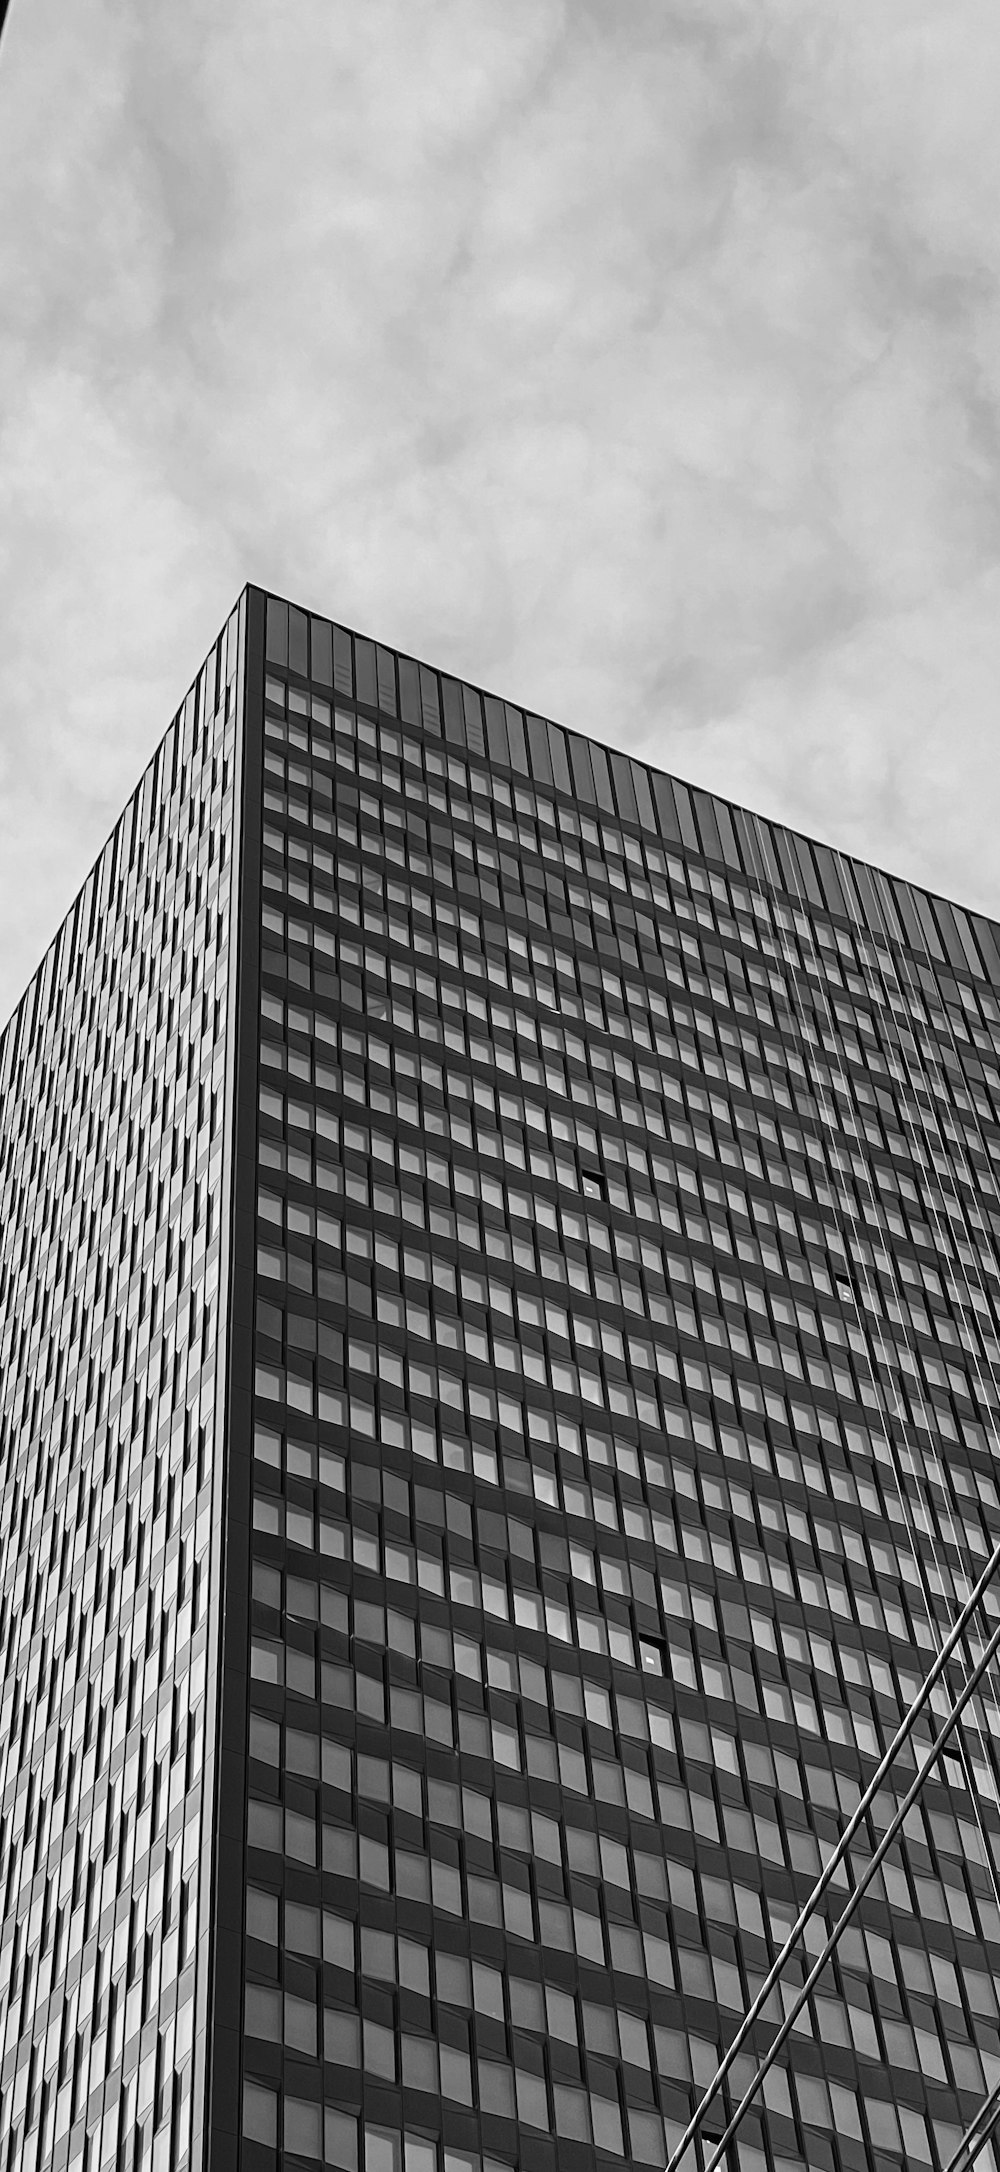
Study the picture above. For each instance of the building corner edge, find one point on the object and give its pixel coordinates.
(217, 2135)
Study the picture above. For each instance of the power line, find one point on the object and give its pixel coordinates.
(809, 1906)
(901, 1736)
(977, 2133)
(968, 1690)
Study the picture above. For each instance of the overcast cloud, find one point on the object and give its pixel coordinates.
(639, 360)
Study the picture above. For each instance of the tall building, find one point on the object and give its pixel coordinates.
(499, 1296)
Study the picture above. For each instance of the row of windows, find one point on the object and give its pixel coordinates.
(110, 1166)
(387, 1959)
(943, 1416)
(829, 1538)
(833, 1706)
(506, 962)
(870, 1258)
(433, 1718)
(669, 1108)
(357, 1266)
(410, 911)
(832, 1539)
(583, 2036)
(691, 895)
(891, 1286)
(853, 1203)
(441, 2068)
(541, 1840)
(295, 1835)
(520, 1130)
(331, 2136)
(818, 1544)
(908, 1002)
(439, 1300)
(693, 820)
(783, 1334)
(404, 915)
(416, 1510)
(967, 1907)
(918, 1390)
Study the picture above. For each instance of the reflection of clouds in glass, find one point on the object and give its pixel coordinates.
(648, 358)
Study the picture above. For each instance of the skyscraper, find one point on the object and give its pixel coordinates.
(499, 1289)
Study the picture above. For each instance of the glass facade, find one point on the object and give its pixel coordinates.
(499, 1299)
(626, 1345)
(113, 1269)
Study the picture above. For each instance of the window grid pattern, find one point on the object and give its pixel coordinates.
(112, 1084)
(626, 1340)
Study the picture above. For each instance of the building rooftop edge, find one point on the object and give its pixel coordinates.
(655, 769)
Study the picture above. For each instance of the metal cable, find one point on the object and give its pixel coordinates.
(809, 1906)
(887, 1348)
(845, 1214)
(979, 2131)
(929, 1078)
(946, 1650)
(929, 1068)
(923, 1772)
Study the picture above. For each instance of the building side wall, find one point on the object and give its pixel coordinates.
(607, 785)
(625, 1416)
(113, 1280)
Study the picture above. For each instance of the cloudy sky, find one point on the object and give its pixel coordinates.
(639, 359)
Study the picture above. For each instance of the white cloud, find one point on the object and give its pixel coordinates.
(643, 363)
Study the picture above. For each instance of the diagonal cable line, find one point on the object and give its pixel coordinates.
(929, 1071)
(887, 1349)
(844, 1213)
(979, 2131)
(809, 1906)
(929, 1075)
(896, 1456)
(930, 1681)
(916, 1129)
(967, 1691)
